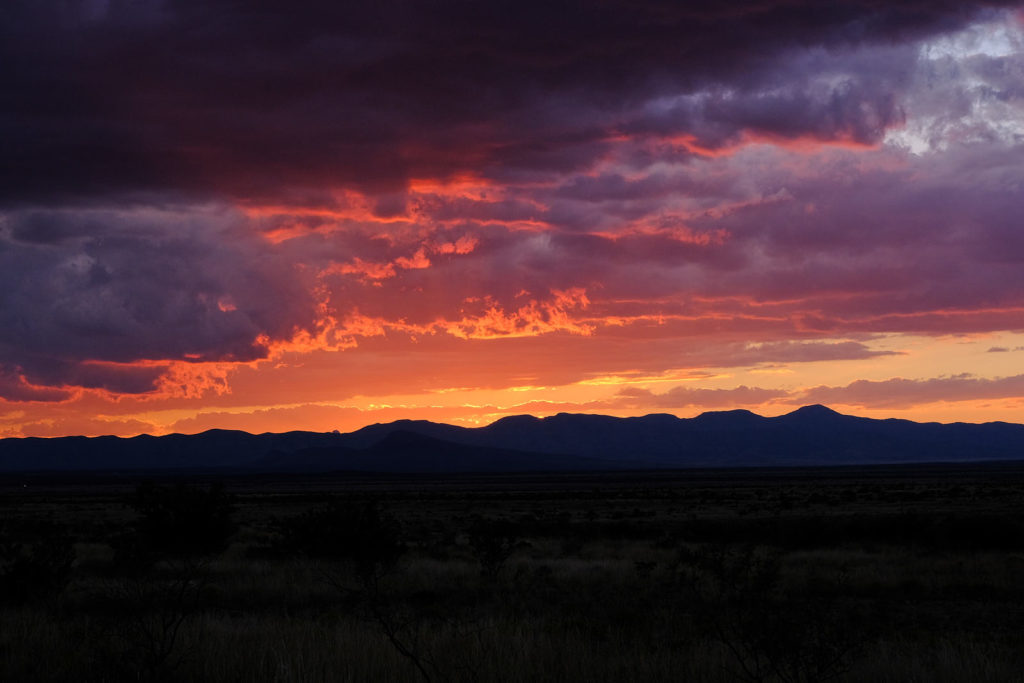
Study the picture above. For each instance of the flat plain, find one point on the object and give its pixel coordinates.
(847, 574)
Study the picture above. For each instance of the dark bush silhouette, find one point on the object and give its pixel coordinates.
(162, 566)
(492, 541)
(357, 533)
(369, 541)
(772, 636)
(175, 522)
(35, 562)
(142, 638)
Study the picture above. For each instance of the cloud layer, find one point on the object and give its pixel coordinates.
(200, 200)
(260, 100)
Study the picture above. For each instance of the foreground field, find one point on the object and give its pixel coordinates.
(851, 574)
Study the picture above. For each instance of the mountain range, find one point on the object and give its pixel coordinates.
(812, 436)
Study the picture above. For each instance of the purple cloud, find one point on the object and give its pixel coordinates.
(253, 101)
(138, 284)
(903, 393)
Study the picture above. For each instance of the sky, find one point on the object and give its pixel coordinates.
(318, 215)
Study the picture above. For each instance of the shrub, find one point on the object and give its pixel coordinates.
(359, 534)
(771, 636)
(179, 522)
(492, 541)
(35, 562)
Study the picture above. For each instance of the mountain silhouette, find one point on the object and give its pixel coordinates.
(410, 451)
(810, 436)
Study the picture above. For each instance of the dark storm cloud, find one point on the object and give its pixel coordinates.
(815, 93)
(14, 387)
(253, 99)
(114, 378)
(117, 287)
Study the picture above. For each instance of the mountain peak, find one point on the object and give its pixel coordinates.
(727, 419)
(814, 411)
(515, 421)
(739, 412)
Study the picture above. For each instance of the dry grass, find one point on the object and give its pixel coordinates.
(621, 586)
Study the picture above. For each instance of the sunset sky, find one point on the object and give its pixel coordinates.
(271, 216)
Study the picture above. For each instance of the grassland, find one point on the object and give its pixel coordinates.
(861, 574)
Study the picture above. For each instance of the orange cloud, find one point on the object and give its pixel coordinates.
(534, 318)
(194, 380)
(79, 425)
(416, 261)
(382, 270)
(366, 269)
(463, 245)
(463, 185)
(801, 144)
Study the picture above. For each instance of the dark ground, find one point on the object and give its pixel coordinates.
(853, 574)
